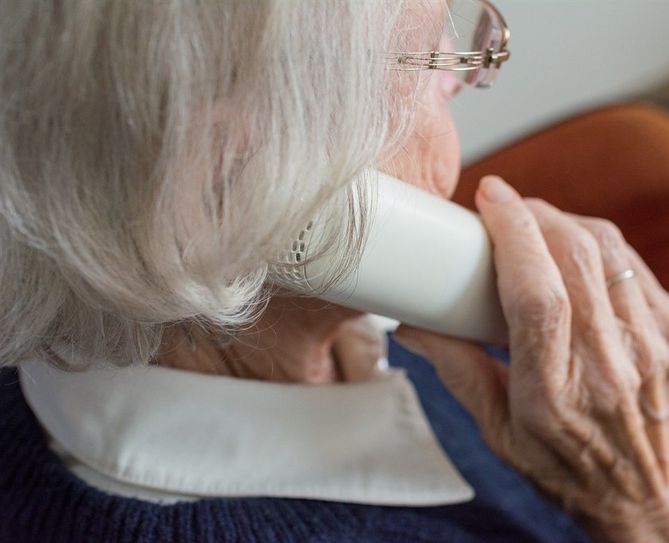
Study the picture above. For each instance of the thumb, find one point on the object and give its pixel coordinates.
(476, 379)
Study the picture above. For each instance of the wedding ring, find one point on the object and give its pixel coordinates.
(620, 277)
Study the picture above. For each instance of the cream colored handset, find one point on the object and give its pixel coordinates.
(426, 262)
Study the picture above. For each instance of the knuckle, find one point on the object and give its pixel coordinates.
(618, 380)
(541, 307)
(583, 251)
(608, 235)
(614, 386)
(650, 354)
(541, 418)
(663, 354)
(632, 384)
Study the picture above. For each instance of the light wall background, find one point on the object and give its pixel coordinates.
(567, 55)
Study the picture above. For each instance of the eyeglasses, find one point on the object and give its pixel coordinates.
(475, 38)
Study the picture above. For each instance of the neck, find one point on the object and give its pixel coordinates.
(295, 340)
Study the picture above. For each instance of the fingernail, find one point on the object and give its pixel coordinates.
(496, 190)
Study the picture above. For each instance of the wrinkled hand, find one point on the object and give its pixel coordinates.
(295, 340)
(583, 408)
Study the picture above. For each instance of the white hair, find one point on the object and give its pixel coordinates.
(154, 155)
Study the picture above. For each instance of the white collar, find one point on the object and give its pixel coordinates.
(199, 435)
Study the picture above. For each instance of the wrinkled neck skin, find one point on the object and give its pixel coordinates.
(299, 340)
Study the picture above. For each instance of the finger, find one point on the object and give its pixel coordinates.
(608, 310)
(631, 422)
(579, 259)
(655, 394)
(654, 406)
(646, 342)
(357, 348)
(477, 380)
(597, 335)
(626, 296)
(656, 296)
(533, 295)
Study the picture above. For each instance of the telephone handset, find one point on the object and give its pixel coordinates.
(426, 262)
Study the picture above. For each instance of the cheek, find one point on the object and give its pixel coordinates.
(431, 157)
(441, 150)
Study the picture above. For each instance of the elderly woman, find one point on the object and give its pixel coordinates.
(155, 156)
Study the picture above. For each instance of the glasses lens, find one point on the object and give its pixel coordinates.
(473, 27)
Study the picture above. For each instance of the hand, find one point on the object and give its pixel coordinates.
(583, 408)
(295, 340)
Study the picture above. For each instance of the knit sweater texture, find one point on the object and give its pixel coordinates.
(42, 501)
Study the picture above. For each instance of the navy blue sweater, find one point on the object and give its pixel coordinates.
(42, 501)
